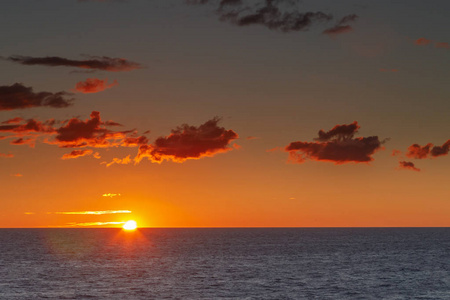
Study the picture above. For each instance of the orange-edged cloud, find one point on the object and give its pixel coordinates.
(421, 152)
(18, 96)
(396, 152)
(189, 142)
(337, 145)
(95, 224)
(424, 42)
(9, 155)
(103, 63)
(407, 165)
(76, 154)
(94, 212)
(31, 142)
(17, 175)
(120, 161)
(13, 121)
(91, 132)
(94, 85)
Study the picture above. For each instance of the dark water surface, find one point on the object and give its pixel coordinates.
(285, 263)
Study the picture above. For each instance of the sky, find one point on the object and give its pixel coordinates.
(224, 113)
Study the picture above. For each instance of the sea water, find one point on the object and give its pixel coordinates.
(277, 263)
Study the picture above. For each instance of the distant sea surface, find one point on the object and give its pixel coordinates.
(278, 263)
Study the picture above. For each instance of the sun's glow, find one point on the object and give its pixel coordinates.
(130, 225)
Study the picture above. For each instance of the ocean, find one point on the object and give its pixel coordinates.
(224, 263)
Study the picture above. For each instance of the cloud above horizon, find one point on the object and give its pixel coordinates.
(189, 142)
(279, 15)
(94, 85)
(407, 165)
(337, 145)
(342, 26)
(18, 96)
(428, 151)
(103, 63)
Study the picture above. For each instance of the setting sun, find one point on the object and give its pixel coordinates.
(130, 225)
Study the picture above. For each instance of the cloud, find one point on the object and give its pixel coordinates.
(31, 142)
(95, 223)
(342, 26)
(9, 155)
(18, 96)
(428, 151)
(120, 161)
(337, 145)
(94, 85)
(91, 132)
(17, 175)
(13, 121)
(30, 126)
(94, 212)
(425, 42)
(103, 63)
(422, 41)
(407, 165)
(396, 152)
(76, 154)
(189, 142)
(111, 195)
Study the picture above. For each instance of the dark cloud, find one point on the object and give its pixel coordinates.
(337, 145)
(18, 96)
(407, 165)
(30, 126)
(13, 121)
(94, 62)
(425, 42)
(93, 85)
(189, 142)
(342, 26)
(77, 153)
(24, 141)
(428, 151)
(78, 133)
(279, 15)
(422, 41)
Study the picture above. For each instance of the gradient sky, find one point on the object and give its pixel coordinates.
(261, 84)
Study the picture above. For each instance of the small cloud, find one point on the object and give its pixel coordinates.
(95, 212)
(337, 145)
(111, 195)
(85, 224)
(120, 161)
(94, 85)
(17, 175)
(9, 155)
(442, 45)
(103, 63)
(292, 198)
(342, 26)
(29, 213)
(428, 151)
(18, 96)
(31, 142)
(252, 138)
(76, 154)
(407, 165)
(422, 41)
(396, 152)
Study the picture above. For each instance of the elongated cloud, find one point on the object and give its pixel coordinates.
(95, 224)
(189, 142)
(111, 195)
(103, 63)
(18, 96)
(30, 126)
(31, 142)
(407, 165)
(77, 153)
(9, 155)
(337, 145)
(428, 151)
(425, 42)
(94, 85)
(94, 212)
(342, 26)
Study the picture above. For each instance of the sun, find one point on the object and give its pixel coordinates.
(130, 225)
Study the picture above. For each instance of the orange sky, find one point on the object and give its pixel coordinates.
(177, 116)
